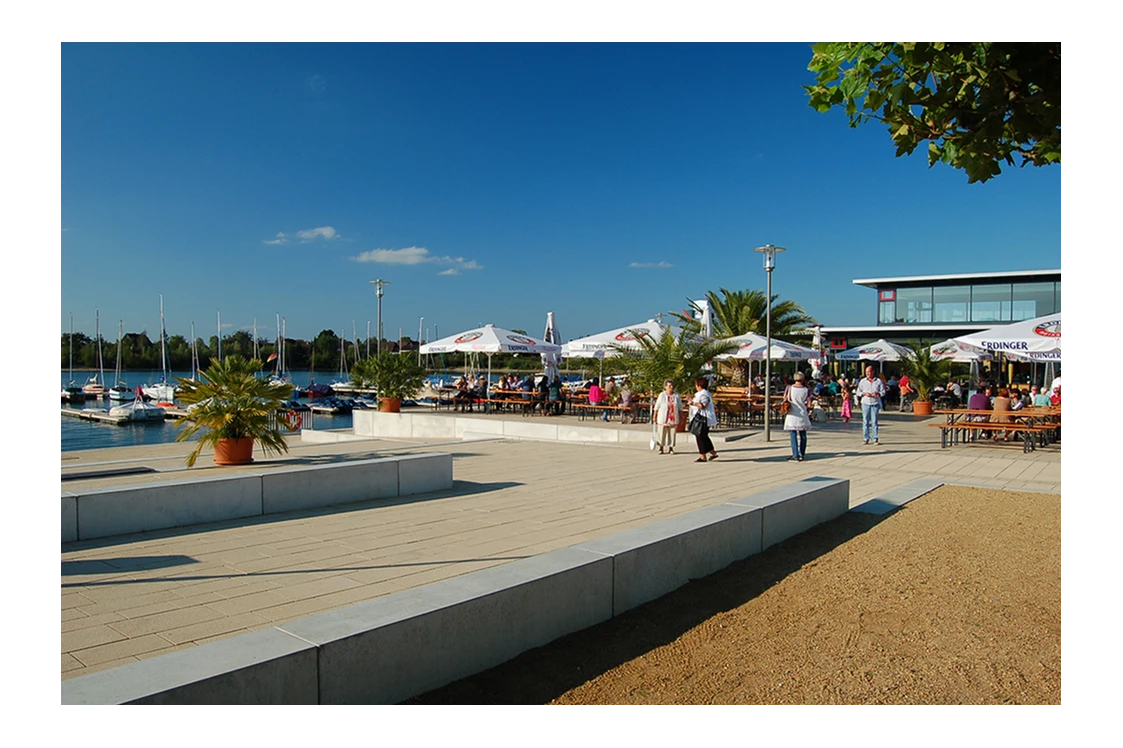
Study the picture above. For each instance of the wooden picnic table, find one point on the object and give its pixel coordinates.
(1037, 425)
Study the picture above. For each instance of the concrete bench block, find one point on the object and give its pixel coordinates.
(375, 423)
(653, 560)
(478, 426)
(391, 648)
(69, 518)
(529, 429)
(155, 506)
(423, 473)
(433, 427)
(793, 508)
(587, 434)
(261, 667)
(307, 487)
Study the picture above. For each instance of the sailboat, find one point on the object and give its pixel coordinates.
(72, 392)
(162, 392)
(120, 391)
(96, 384)
(138, 410)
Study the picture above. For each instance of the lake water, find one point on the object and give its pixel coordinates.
(78, 433)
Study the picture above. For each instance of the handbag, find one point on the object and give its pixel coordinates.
(697, 424)
(786, 405)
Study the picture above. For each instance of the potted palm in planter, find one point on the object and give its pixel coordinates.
(235, 409)
(394, 376)
(924, 373)
(682, 360)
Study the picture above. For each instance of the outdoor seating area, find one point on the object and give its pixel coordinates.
(1034, 427)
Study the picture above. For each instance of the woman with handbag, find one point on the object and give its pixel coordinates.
(703, 417)
(797, 419)
(665, 415)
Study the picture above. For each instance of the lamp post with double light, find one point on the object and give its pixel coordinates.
(769, 253)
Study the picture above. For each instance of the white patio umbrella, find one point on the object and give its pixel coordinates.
(879, 350)
(753, 346)
(490, 340)
(622, 337)
(951, 349)
(550, 360)
(1037, 335)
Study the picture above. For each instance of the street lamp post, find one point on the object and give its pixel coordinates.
(769, 253)
(378, 284)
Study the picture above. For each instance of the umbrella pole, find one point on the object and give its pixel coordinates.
(487, 387)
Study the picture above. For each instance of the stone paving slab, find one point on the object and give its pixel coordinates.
(133, 597)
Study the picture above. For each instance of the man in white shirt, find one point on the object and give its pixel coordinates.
(871, 389)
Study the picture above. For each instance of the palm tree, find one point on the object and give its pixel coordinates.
(682, 360)
(232, 403)
(739, 312)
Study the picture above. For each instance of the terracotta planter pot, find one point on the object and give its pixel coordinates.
(389, 405)
(922, 407)
(234, 451)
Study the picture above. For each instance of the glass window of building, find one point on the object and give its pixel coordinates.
(1034, 300)
(886, 312)
(949, 303)
(991, 302)
(914, 305)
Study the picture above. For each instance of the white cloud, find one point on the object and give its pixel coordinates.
(279, 239)
(417, 256)
(325, 232)
(651, 265)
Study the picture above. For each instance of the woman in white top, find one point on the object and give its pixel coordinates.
(666, 413)
(704, 403)
(798, 419)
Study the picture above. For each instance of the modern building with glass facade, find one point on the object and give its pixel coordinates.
(937, 307)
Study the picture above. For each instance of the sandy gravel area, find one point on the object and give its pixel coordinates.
(954, 599)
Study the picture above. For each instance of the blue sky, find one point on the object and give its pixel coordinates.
(493, 183)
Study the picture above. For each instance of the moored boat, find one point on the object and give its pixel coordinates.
(138, 409)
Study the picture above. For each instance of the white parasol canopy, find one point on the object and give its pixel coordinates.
(550, 360)
(1037, 335)
(880, 350)
(956, 351)
(489, 339)
(753, 346)
(625, 337)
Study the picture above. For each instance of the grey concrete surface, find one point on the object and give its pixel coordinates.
(127, 599)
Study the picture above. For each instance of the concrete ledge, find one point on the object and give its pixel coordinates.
(394, 647)
(261, 667)
(69, 517)
(155, 506)
(313, 436)
(899, 496)
(650, 561)
(391, 648)
(104, 512)
(369, 424)
(315, 486)
(791, 509)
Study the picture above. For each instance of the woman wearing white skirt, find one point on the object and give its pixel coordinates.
(666, 413)
(798, 419)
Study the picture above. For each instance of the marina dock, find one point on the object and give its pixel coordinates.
(95, 415)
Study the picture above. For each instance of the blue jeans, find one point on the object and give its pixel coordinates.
(869, 421)
(799, 443)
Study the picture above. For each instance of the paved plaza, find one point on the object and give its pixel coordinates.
(132, 597)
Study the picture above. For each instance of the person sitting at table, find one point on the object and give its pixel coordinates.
(626, 415)
(609, 391)
(554, 398)
(1055, 398)
(1037, 398)
(980, 400)
(1018, 399)
(955, 390)
(596, 397)
(462, 401)
(1002, 404)
(542, 393)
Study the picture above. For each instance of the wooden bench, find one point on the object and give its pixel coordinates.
(1032, 435)
(585, 410)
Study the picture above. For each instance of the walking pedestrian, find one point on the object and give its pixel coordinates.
(703, 403)
(798, 419)
(871, 390)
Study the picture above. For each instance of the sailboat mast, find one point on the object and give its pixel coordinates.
(163, 344)
(284, 334)
(194, 354)
(220, 336)
(70, 365)
(255, 338)
(277, 350)
(100, 366)
(120, 332)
